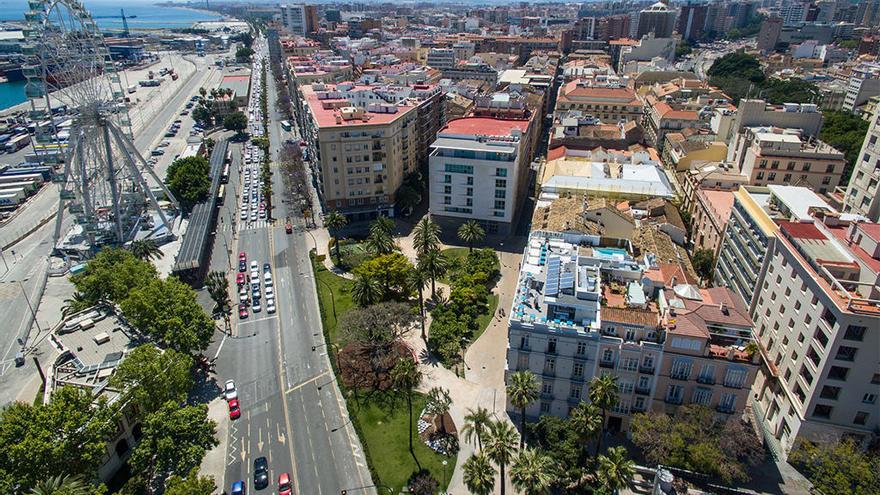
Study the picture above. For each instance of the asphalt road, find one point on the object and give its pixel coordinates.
(293, 413)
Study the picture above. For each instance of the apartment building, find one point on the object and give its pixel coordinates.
(864, 82)
(692, 21)
(364, 141)
(818, 317)
(610, 105)
(707, 358)
(471, 157)
(751, 232)
(441, 58)
(862, 195)
(772, 155)
(757, 113)
(710, 216)
(299, 19)
(689, 347)
(658, 19)
(476, 70)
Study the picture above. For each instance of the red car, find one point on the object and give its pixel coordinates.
(242, 311)
(242, 256)
(240, 280)
(284, 486)
(234, 409)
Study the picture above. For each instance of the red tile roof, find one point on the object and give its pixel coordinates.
(485, 126)
(800, 230)
(872, 230)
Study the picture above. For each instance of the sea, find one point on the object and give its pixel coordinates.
(143, 15)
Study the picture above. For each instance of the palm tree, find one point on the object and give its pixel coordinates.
(500, 446)
(382, 224)
(479, 474)
(603, 393)
(586, 420)
(522, 390)
(406, 376)
(476, 424)
(61, 484)
(366, 289)
(335, 221)
(203, 92)
(417, 280)
(426, 236)
(615, 470)
(145, 249)
(74, 304)
(434, 264)
(379, 242)
(470, 232)
(532, 472)
(437, 404)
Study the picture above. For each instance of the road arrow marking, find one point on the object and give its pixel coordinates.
(281, 438)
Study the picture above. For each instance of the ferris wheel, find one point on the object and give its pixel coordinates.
(77, 103)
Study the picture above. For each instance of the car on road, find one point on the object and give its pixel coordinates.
(229, 391)
(234, 409)
(237, 488)
(261, 473)
(170, 134)
(157, 152)
(284, 485)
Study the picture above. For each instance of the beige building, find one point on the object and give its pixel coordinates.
(710, 218)
(772, 155)
(817, 316)
(364, 141)
(609, 105)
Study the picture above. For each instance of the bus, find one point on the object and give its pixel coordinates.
(17, 143)
(221, 193)
(224, 179)
(285, 125)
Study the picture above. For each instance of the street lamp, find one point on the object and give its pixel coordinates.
(345, 492)
(343, 425)
(444, 470)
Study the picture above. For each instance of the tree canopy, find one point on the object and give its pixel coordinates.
(235, 121)
(695, 439)
(840, 468)
(111, 275)
(175, 439)
(846, 132)
(65, 435)
(167, 310)
(189, 180)
(390, 270)
(154, 377)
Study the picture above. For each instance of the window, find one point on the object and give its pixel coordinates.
(545, 407)
(607, 355)
(822, 411)
(458, 169)
(807, 166)
(500, 204)
(683, 343)
(855, 332)
(681, 369)
(727, 403)
(577, 370)
(821, 338)
(575, 392)
(469, 191)
(524, 341)
(648, 363)
(808, 377)
(829, 169)
(846, 353)
(447, 179)
(869, 398)
(470, 181)
(674, 394)
(522, 362)
(861, 418)
(707, 374)
(551, 345)
(501, 172)
(447, 189)
(447, 200)
(581, 348)
(813, 356)
(500, 183)
(549, 365)
(644, 382)
(829, 318)
(826, 180)
(630, 364)
(702, 395)
(838, 373)
(875, 379)
(500, 193)
(829, 392)
(625, 387)
(469, 202)
(735, 377)
(547, 388)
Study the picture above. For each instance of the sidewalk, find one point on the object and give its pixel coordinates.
(214, 462)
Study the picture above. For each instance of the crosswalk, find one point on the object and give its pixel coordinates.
(246, 225)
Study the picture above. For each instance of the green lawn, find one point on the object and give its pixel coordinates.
(384, 431)
(384, 434)
(484, 319)
(453, 255)
(334, 296)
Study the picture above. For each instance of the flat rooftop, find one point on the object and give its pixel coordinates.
(484, 126)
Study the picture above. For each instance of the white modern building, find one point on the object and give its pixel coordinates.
(299, 19)
(864, 82)
(862, 194)
(478, 170)
(818, 325)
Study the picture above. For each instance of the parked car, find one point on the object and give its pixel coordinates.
(234, 409)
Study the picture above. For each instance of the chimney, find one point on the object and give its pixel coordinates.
(672, 282)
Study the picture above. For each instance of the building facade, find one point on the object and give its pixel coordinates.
(610, 105)
(658, 19)
(300, 19)
(864, 83)
(692, 21)
(862, 195)
(471, 157)
(817, 319)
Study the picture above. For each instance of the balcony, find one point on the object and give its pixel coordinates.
(725, 409)
(606, 364)
(546, 396)
(643, 390)
(673, 400)
(707, 380)
(646, 368)
(637, 408)
(524, 348)
(679, 376)
(731, 384)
